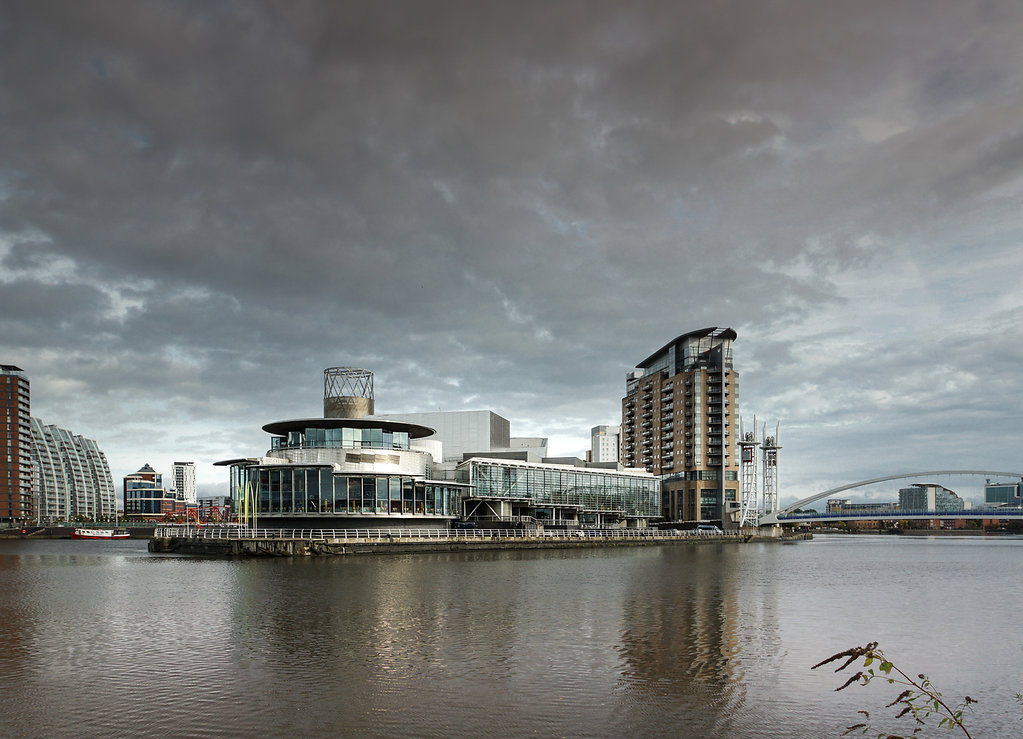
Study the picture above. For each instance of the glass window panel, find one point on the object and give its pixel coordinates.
(287, 503)
(418, 495)
(275, 491)
(356, 500)
(369, 496)
(312, 483)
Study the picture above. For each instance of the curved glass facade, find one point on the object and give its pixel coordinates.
(291, 490)
(342, 438)
(588, 490)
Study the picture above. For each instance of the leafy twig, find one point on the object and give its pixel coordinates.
(920, 698)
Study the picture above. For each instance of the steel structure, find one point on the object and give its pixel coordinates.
(775, 517)
(770, 449)
(347, 392)
(748, 511)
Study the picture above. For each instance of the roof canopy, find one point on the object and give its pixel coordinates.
(725, 334)
(414, 430)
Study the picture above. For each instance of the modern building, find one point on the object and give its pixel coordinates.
(348, 468)
(146, 499)
(71, 474)
(843, 505)
(559, 495)
(356, 470)
(534, 446)
(929, 496)
(184, 481)
(604, 443)
(216, 508)
(15, 446)
(680, 422)
(462, 432)
(1003, 493)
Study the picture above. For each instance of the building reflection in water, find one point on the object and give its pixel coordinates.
(683, 639)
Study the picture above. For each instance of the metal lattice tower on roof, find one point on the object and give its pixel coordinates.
(347, 392)
(770, 449)
(748, 512)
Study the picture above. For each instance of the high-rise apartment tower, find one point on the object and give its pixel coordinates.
(184, 481)
(679, 421)
(604, 443)
(15, 446)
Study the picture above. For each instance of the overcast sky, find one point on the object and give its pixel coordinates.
(506, 206)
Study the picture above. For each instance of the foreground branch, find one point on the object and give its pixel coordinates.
(920, 698)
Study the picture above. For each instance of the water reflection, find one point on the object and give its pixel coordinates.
(681, 643)
(712, 640)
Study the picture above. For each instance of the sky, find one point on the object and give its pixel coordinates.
(506, 206)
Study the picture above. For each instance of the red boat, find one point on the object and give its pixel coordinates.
(99, 534)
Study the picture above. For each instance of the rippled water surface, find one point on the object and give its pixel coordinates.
(103, 638)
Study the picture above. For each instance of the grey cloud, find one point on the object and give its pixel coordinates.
(522, 198)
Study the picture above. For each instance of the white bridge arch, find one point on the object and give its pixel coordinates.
(769, 519)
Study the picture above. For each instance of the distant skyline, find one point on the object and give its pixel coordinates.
(505, 207)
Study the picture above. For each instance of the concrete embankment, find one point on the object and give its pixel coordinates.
(298, 547)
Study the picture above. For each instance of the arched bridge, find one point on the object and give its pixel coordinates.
(787, 513)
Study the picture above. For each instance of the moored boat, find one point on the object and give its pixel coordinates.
(99, 534)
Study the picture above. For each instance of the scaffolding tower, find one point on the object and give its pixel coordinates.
(748, 513)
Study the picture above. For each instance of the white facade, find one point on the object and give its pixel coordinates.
(462, 431)
(184, 481)
(72, 474)
(604, 441)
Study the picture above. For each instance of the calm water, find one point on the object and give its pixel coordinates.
(102, 638)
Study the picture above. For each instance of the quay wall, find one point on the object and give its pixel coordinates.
(64, 532)
(298, 547)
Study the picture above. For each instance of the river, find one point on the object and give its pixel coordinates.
(712, 640)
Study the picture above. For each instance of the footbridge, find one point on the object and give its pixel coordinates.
(788, 513)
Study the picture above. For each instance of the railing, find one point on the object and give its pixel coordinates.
(896, 514)
(178, 531)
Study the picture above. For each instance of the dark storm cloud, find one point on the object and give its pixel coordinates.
(498, 205)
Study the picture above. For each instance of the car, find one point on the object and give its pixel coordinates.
(706, 528)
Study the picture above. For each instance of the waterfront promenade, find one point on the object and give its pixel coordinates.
(247, 541)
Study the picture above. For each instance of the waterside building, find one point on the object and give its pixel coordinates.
(353, 469)
(679, 422)
(146, 499)
(72, 476)
(928, 496)
(15, 446)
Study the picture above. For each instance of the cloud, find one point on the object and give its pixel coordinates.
(204, 204)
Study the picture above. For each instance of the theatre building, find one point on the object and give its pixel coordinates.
(347, 469)
(353, 469)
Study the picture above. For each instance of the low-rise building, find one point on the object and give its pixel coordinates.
(1003, 493)
(146, 499)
